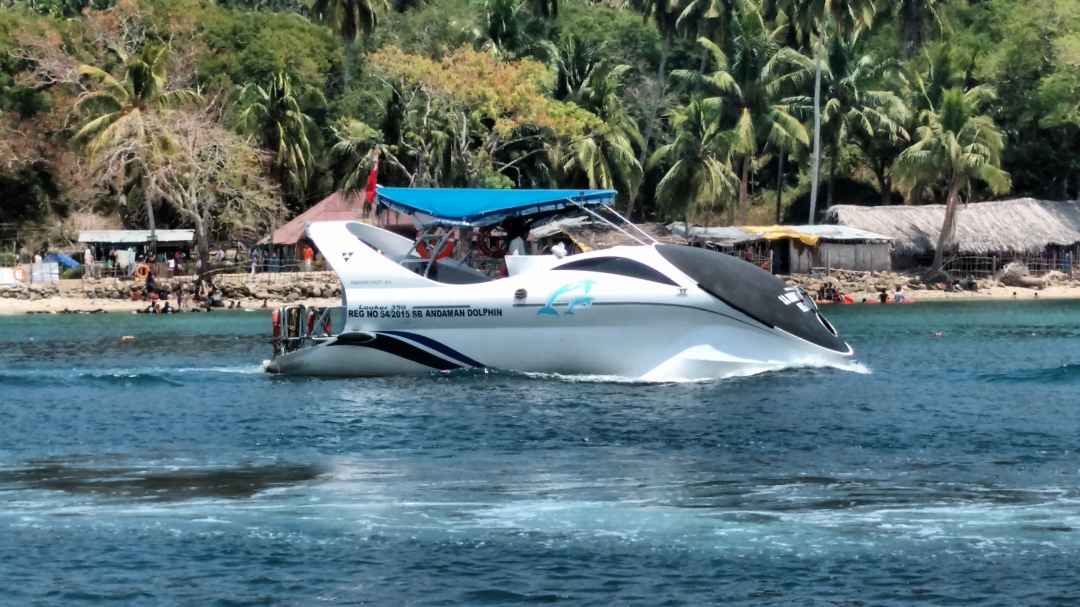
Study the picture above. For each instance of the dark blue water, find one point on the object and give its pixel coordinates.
(170, 470)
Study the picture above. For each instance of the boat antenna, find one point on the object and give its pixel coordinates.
(608, 221)
(612, 210)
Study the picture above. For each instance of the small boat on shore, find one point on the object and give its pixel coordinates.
(651, 311)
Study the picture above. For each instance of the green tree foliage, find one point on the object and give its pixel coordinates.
(855, 109)
(349, 18)
(698, 178)
(355, 147)
(276, 116)
(751, 76)
(540, 93)
(607, 157)
(119, 135)
(58, 8)
(955, 145)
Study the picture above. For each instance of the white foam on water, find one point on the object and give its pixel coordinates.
(743, 371)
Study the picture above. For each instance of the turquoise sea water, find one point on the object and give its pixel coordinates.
(171, 470)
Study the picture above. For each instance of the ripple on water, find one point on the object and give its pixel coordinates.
(172, 470)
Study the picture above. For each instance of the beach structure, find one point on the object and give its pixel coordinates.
(288, 242)
(799, 249)
(339, 207)
(118, 250)
(1043, 234)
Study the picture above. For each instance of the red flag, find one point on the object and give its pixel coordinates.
(369, 191)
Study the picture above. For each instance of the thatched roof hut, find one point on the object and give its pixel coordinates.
(1023, 225)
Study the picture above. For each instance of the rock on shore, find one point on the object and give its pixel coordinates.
(286, 287)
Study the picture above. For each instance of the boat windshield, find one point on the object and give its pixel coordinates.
(465, 236)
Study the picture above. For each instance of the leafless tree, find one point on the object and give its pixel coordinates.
(212, 178)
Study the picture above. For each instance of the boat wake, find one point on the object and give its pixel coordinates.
(742, 372)
(1066, 373)
(138, 376)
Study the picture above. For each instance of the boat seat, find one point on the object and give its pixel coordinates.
(447, 271)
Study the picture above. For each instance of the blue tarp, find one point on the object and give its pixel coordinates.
(61, 259)
(483, 207)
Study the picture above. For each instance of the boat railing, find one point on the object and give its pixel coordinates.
(299, 326)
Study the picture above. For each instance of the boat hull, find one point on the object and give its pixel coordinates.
(648, 341)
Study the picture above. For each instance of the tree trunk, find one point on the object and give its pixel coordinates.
(948, 227)
(912, 31)
(833, 153)
(203, 245)
(816, 173)
(646, 137)
(744, 189)
(346, 64)
(150, 222)
(779, 186)
(884, 183)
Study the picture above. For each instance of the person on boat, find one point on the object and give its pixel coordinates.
(517, 235)
(883, 296)
(898, 296)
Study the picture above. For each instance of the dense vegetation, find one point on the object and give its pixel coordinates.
(227, 116)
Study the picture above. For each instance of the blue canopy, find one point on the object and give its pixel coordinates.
(485, 207)
(60, 258)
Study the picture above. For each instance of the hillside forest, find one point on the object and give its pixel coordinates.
(230, 116)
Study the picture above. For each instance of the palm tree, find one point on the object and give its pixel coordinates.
(504, 24)
(708, 19)
(912, 21)
(574, 61)
(546, 9)
(955, 146)
(275, 115)
(816, 19)
(607, 158)
(350, 18)
(699, 176)
(665, 14)
(120, 107)
(356, 146)
(853, 106)
(749, 78)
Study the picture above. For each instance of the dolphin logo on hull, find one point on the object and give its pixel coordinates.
(584, 300)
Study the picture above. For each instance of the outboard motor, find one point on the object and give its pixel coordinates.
(756, 293)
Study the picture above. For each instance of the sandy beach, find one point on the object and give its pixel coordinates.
(75, 303)
(998, 293)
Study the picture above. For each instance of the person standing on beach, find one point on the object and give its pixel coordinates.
(88, 260)
(309, 257)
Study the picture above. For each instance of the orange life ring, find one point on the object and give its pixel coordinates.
(142, 271)
(275, 318)
(20, 274)
(447, 250)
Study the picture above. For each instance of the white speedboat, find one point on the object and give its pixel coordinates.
(652, 311)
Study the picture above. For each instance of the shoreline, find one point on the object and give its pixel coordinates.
(68, 304)
(998, 293)
(80, 305)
